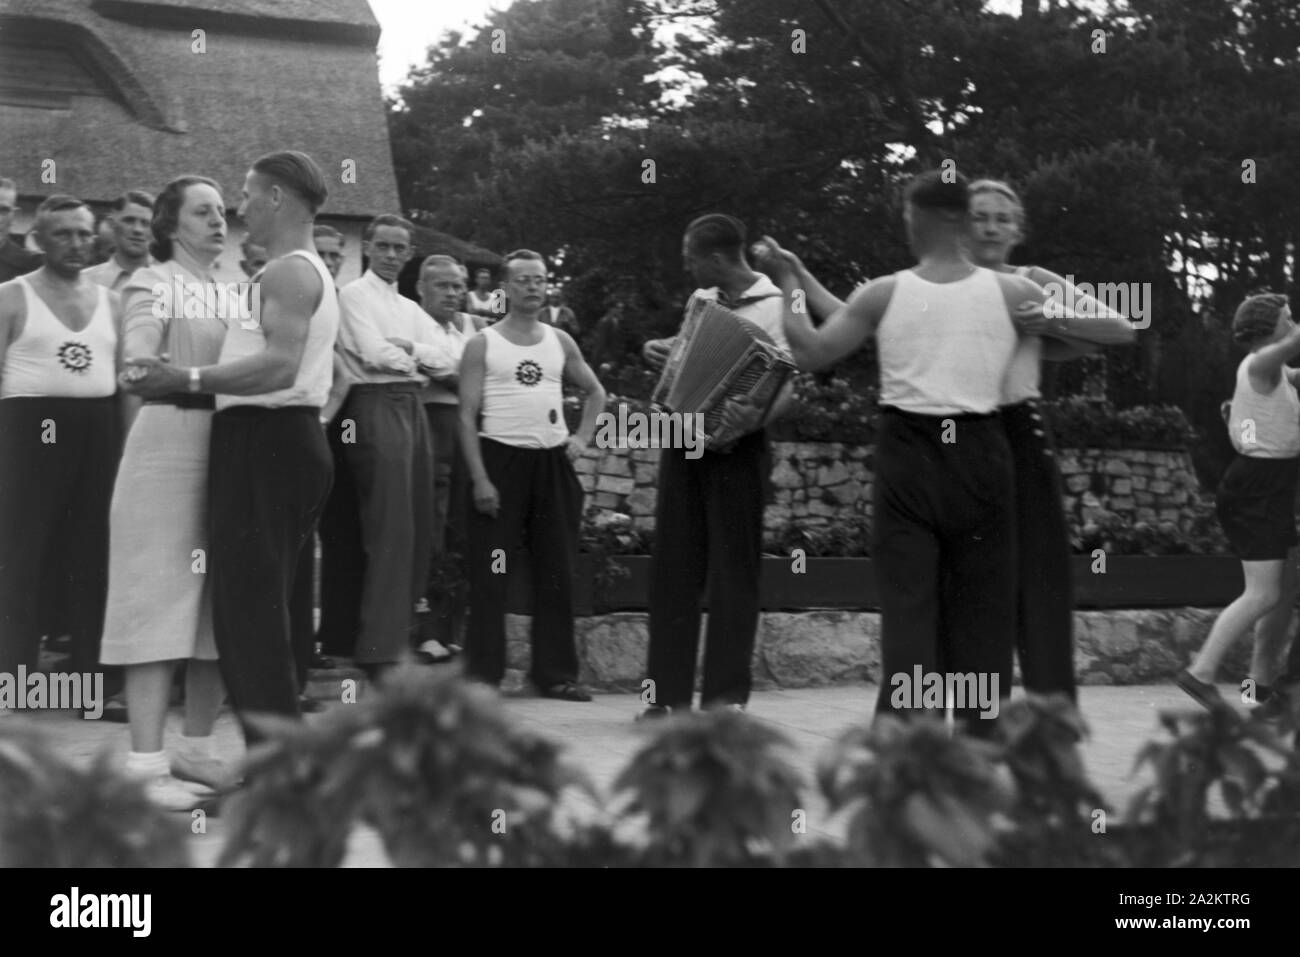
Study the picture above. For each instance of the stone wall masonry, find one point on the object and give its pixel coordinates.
(820, 648)
(823, 484)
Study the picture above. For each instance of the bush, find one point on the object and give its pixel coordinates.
(434, 764)
(1079, 423)
(53, 814)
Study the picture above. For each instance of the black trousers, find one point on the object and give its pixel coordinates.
(1045, 581)
(708, 532)
(58, 461)
(944, 550)
(392, 464)
(302, 633)
(268, 476)
(451, 506)
(540, 513)
(342, 554)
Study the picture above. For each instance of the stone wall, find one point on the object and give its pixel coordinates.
(822, 484)
(819, 648)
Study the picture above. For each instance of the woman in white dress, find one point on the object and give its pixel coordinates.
(159, 611)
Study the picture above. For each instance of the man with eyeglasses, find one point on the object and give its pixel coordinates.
(520, 459)
(14, 259)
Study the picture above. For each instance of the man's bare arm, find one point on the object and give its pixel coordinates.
(577, 372)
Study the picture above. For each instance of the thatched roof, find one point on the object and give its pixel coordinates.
(430, 242)
(114, 93)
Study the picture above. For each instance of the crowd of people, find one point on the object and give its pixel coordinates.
(166, 471)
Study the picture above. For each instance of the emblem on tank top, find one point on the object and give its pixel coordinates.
(75, 357)
(528, 372)
(553, 416)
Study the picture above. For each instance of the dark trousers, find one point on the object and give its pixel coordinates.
(944, 552)
(1045, 582)
(708, 532)
(540, 511)
(58, 460)
(342, 552)
(302, 634)
(450, 503)
(268, 476)
(392, 464)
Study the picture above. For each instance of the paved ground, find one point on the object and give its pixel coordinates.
(601, 737)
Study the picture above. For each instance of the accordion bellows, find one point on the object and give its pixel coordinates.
(719, 356)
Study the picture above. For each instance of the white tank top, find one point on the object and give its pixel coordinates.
(1024, 374)
(1264, 426)
(311, 387)
(944, 348)
(50, 359)
(523, 397)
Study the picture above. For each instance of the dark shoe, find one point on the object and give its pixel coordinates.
(309, 705)
(654, 712)
(321, 662)
(1277, 707)
(1205, 694)
(566, 691)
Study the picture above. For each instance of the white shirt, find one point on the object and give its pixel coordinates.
(311, 384)
(762, 304)
(450, 342)
(372, 311)
(944, 348)
(112, 275)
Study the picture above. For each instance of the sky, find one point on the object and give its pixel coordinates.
(410, 27)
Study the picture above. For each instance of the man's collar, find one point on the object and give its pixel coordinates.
(762, 288)
(379, 280)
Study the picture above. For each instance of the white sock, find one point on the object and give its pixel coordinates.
(146, 764)
(197, 749)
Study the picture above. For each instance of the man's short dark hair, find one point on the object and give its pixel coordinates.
(525, 254)
(132, 197)
(321, 231)
(1256, 317)
(388, 219)
(297, 172)
(717, 233)
(57, 204)
(939, 190)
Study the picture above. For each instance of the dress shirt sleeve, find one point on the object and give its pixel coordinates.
(432, 347)
(143, 328)
(360, 334)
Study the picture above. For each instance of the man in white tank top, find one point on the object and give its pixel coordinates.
(58, 441)
(270, 468)
(943, 524)
(520, 458)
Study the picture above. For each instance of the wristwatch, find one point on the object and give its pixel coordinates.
(196, 384)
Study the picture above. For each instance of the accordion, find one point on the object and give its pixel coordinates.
(720, 356)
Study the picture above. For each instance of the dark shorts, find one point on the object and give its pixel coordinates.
(1256, 507)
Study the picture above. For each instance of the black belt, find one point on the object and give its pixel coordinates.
(939, 417)
(186, 400)
(417, 387)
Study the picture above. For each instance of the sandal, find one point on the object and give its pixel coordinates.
(1205, 694)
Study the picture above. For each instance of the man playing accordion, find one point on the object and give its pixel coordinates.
(709, 516)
